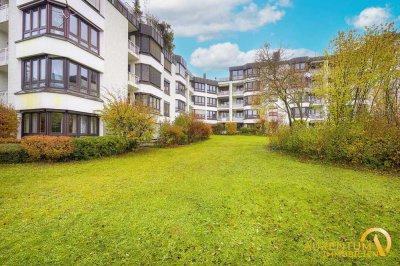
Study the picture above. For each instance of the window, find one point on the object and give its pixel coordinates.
(34, 73)
(180, 106)
(251, 114)
(94, 3)
(84, 80)
(73, 28)
(181, 70)
(199, 100)
(27, 123)
(200, 114)
(72, 124)
(149, 46)
(167, 65)
(94, 40)
(167, 87)
(149, 74)
(149, 100)
(84, 125)
(224, 114)
(57, 73)
(180, 88)
(212, 102)
(237, 74)
(166, 109)
(211, 115)
(252, 86)
(57, 20)
(200, 87)
(35, 22)
(93, 125)
(212, 89)
(56, 123)
(62, 74)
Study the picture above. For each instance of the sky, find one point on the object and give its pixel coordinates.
(215, 34)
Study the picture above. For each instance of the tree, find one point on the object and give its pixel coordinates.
(281, 82)
(166, 31)
(361, 75)
(128, 119)
(8, 121)
(137, 8)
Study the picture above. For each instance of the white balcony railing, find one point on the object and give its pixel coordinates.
(133, 47)
(238, 105)
(224, 105)
(3, 13)
(238, 92)
(133, 79)
(237, 119)
(3, 56)
(223, 119)
(3, 97)
(223, 93)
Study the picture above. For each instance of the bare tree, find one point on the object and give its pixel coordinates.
(281, 82)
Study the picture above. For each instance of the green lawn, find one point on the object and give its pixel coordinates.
(225, 200)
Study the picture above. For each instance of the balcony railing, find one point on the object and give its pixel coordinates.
(133, 78)
(223, 79)
(252, 117)
(133, 47)
(223, 119)
(223, 93)
(238, 92)
(3, 13)
(211, 118)
(3, 56)
(237, 119)
(223, 105)
(3, 97)
(127, 11)
(238, 105)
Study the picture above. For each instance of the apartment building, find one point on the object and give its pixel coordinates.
(59, 59)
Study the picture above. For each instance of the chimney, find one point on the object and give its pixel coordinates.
(204, 75)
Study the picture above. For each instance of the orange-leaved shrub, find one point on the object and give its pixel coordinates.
(48, 147)
(9, 141)
(8, 121)
(171, 135)
(231, 128)
(199, 131)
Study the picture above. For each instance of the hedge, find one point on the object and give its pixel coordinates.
(48, 148)
(12, 153)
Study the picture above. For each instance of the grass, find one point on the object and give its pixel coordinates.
(224, 201)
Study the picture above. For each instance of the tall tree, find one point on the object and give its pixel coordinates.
(281, 84)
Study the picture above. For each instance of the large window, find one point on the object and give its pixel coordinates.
(63, 22)
(166, 109)
(211, 102)
(167, 87)
(35, 21)
(59, 123)
(237, 74)
(60, 73)
(212, 115)
(200, 87)
(180, 88)
(251, 114)
(180, 106)
(94, 3)
(149, 46)
(154, 103)
(167, 65)
(181, 70)
(252, 86)
(148, 74)
(212, 89)
(199, 100)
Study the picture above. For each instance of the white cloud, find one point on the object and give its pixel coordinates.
(224, 55)
(370, 16)
(207, 19)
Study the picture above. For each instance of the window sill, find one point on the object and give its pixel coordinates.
(59, 91)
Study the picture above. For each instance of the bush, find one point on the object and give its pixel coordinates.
(48, 148)
(371, 144)
(8, 121)
(171, 135)
(248, 131)
(96, 147)
(9, 140)
(198, 131)
(231, 128)
(217, 129)
(184, 120)
(12, 153)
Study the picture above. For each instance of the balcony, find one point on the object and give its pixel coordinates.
(223, 105)
(223, 93)
(223, 119)
(133, 50)
(3, 13)
(238, 105)
(4, 97)
(236, 93)
(133, 80)
(4, 57)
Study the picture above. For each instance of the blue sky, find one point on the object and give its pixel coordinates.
(211, 36)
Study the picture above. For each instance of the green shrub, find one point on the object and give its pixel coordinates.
(217, 129)
(248, 131)
(231, 128)
(8, 121)
(369, 143)
(12, 153)
(198, 130)
(171, 135)
(48, 147)
(96, 147)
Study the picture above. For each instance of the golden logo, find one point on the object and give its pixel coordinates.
(378, 245)
(353, 249)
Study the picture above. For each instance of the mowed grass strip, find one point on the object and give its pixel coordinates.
(228, 200)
